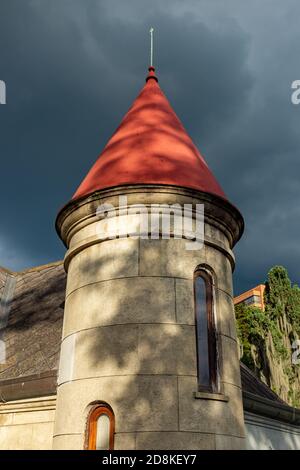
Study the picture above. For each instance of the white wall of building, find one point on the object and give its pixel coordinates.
(269, 434)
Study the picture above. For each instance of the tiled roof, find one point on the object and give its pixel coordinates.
(33, 327)
(251, 384)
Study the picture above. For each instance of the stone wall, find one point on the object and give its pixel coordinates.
(27, 424)
(270, 434)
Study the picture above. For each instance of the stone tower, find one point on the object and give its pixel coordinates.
(149, 356)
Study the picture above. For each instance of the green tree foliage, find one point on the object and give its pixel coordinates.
(270, 333)
(277, 292)
(293, 308)
(282, 300)
(252, 325)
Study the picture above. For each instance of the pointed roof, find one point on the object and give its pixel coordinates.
(150, 146)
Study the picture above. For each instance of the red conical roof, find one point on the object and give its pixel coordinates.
(150, 146)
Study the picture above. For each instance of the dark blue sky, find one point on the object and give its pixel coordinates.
(72, 69)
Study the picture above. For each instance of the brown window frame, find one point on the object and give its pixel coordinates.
(94, 415)
(211, 332)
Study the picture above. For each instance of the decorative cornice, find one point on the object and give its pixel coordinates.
(218, 211)
(31, 386)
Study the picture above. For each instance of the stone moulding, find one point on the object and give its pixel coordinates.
(218, 213)
(31, 386)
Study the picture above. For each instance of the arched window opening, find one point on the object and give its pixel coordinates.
(101, 428)
(205, 331)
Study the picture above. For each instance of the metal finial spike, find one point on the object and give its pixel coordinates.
(151, 46)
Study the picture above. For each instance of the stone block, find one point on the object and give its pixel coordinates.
(109, 350)
(6, 419)
(67, 359)
(215, 234)
(174, 441)
(222, 268)
(125, 441)
(32, 417)
(111, 259)
(34, 436)
(209, 416)
(169, 258)
(224, 442)
(225, 314)
(167, 349)
(185, 310)
(68, 442)
(120, 301)
(230, 365)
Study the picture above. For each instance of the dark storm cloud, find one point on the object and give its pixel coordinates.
(72, 69)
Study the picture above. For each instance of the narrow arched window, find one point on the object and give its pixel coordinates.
(101, 428)
(205, 331)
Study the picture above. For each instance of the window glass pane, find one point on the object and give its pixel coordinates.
(103, 432)
(254, 299)
(202, 332)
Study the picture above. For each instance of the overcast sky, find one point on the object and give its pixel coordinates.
(72, 69)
